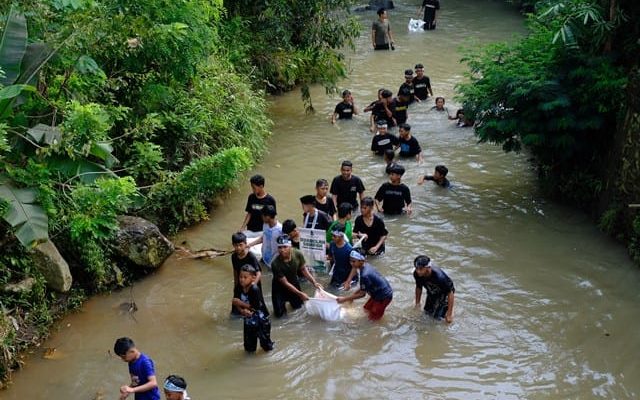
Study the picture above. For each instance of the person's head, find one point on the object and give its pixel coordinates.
(395, 173)
(422, 265)
(440, 172)
(337, 233)
(404, 130)
(344, 210)
(345, 169)
(460, 114)
(346, 96)
(322, 187)
(408, 75)
(389, 155)
(308, 203)
(404, 94)
(284, 246)
(382, 126)
(440, 103)
(386, 95)
(174, 387)
(126, 349)
(257, 184)
(268, 214)
(290, 228)
(247, 275)
(380, 93)
(357, 258)
(382, 13)
(419, 70)
(366, 205)
(239, 242)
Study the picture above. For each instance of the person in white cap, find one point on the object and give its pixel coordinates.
(175, 388)
(440, 289)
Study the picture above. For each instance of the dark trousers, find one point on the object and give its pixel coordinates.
(257, 327)
(382, 46)
(436, 305)
(429, 19)
(280, 299)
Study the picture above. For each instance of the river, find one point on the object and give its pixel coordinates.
(546, 305)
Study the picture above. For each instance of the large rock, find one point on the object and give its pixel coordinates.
(376, 4)
(53, 267)
(140, 242)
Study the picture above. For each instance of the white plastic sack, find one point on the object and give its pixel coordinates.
(325, 306)
(415, 25)
(257, 249)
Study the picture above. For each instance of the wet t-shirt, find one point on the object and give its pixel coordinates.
(407, 87)
(328, 207)
(393, 197)
(410, 147)
(253, 297)
(237, 263)
(287, 269)
(320, 220)
(381, 29)
(140, 371)
(438, 283)
(347, 190)
(379, 112)
(380, 143)
(348, 230)
(399, 109)
(421, 87)
(373, 232)
(344, 110)
(341, 263)
(254, 207)
(372, 282)
(445, 182)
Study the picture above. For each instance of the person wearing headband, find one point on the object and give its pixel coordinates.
(372, 283)
(175, 388)
(383, 140)
(440, 289)
(339, 251)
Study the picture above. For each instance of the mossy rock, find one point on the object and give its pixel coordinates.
(140, 242)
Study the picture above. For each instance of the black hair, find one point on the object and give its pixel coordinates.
(308, 199)
(288, 226)
(344, 209)
(257, 180)
(397, 169)
(423, 261)
(408, 72)
(367, 201)
(386, 94)
(418, 66)
(346, 92)
(460, 111)
(389, 154)
(381, 10)
(249, 268)
(439, 98)
(442, 170)
(347, 163)
(123, 345)
(404, 126)
(321, 182)
(238, 237)
(177, 381)
(269, 211)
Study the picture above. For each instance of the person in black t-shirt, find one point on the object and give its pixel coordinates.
(440, 289)
(242, 256)
(407, 86)
(382, 110)
(430, 7)
(438, 177)
(409, 146)
(255, 202)
(371, 227)
(400, 107)
(313, 218)
(394, 197)
(389, 156)
(345, 109)
(347, 187)
(247, 297)
(322, 201)
(383, 140)
(421, 83)
(290, 228)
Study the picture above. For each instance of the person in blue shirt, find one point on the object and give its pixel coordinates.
(440, 289)
(339, 251)
(371, 283)
(143, 376)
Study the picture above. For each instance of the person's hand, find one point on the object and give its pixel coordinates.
(448, 318)
(304, 297)
(373, 250)
(125, 390)
(318, 285)
(341, 300)
(246, 312)
(408, 210)
(417, 305)
(346, 285)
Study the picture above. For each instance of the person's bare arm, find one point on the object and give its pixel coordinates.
(449, 315)
(245, 222)
(374, 249)
(126, 390)
(418, 296)
(284, 282)
(347, 282)
(310, 278)
(356, 295)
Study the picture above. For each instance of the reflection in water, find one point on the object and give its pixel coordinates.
(546, 306)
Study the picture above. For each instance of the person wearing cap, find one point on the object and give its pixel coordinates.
(370, 227)
(407, 86)
(440, 289)
(285, 287)
(409, 146)
(383, 139)
(394, 197)
(346, 187)
(429, 7)
(439, 177)
(382, 110)
(345, 109)
(339, 251)
(175, 388)
(312, 217)
(372, 283)
(421, 83)
(381, 37)
(271, 229)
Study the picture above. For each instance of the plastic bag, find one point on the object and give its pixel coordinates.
(415, 25)
(325, 306)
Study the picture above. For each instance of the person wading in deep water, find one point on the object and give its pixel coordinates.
(381, 37)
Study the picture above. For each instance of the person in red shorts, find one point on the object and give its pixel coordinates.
(371, 283)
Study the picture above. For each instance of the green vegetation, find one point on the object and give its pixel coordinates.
(566, 93)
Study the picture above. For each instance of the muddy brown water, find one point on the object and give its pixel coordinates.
(546, 305)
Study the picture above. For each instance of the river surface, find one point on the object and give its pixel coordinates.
(546, 305)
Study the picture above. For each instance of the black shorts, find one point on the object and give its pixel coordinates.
(382, 46)
(280, 299)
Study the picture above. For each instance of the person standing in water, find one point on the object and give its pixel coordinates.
(430, 7)
(381, 37)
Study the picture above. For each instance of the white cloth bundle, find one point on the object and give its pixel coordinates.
(415, 25)
(325, 306)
